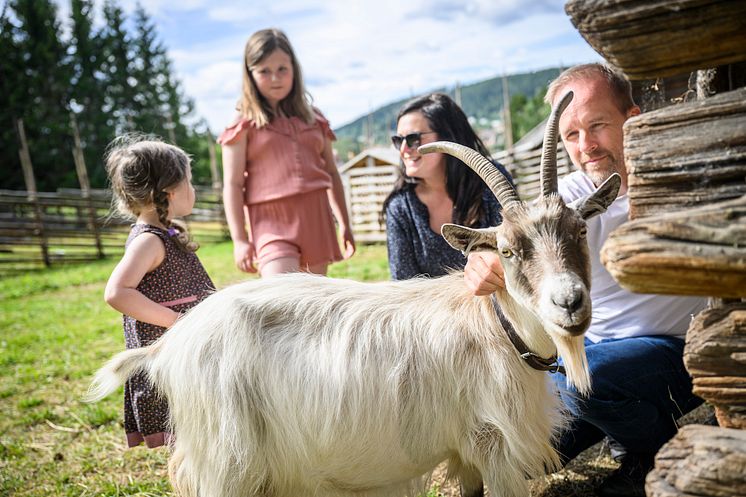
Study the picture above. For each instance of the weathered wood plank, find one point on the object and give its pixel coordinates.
(703, 461)
(715, 356)
(687, 155)
(657, 38)
(694, 252)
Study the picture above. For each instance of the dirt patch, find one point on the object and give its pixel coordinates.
(580, 477)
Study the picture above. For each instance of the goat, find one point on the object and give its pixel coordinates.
(301, 385)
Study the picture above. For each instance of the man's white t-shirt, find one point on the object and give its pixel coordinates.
(619, 313)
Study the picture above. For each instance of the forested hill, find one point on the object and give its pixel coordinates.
(479, 100)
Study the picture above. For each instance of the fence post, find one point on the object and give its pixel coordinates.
(33, 198)
(85, 185)
(217, 183)
(507, 121)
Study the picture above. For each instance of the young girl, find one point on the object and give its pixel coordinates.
(433, 189)
(159, 275)
(280, 176)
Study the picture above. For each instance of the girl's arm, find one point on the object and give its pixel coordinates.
(144, 254)
(234, 165)
(337, 201)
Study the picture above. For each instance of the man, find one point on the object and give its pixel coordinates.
(635, 342)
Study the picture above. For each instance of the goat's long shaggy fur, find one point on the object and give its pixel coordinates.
(301, 385)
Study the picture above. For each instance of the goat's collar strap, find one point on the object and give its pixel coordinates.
(535, 361)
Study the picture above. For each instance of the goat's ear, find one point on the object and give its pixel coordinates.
(469, 239)
(600, 200)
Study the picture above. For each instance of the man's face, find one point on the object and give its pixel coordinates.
(591, 129)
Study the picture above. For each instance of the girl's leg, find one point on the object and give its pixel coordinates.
(318, 269)
(280, 265)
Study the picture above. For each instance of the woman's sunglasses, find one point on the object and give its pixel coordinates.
(413, 139)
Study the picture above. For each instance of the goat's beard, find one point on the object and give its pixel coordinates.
(572, 351)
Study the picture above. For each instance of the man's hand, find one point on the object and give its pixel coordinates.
(484, 273)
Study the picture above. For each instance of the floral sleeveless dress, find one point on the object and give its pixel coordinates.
(179, 283)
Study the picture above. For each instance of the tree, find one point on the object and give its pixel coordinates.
(11, 101)
(116, 72)
(44, 91)
(527, 112)
(88, 90)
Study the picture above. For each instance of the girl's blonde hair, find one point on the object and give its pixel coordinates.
(252, 105)
(141, 169)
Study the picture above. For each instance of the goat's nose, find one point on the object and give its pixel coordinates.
(570, 301)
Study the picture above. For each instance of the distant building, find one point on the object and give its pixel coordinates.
(368, 178)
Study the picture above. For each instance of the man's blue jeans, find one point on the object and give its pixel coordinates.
(640, 387)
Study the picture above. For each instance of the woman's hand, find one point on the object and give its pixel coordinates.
(348, 241)
(243, 255)
(484, 273)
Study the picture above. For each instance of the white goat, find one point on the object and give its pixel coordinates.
(302, 385)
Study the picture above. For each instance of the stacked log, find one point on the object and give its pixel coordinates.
(702, 461)
(649, 39)
(715, 355)
(687, 155)
(692, 252)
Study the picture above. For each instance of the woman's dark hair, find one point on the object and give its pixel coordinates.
(463, 185)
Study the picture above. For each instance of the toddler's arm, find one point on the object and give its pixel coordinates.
(144, 254)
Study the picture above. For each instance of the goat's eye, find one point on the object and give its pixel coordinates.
(506, 252)
(583, 232)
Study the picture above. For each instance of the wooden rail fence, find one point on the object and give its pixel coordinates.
(39, 229)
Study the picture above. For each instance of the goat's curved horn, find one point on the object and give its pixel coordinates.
(499, 184)
(549, 149)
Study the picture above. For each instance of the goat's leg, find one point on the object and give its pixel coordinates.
(503, 482)
(471, 486)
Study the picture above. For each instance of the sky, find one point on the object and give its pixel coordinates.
(359, 55)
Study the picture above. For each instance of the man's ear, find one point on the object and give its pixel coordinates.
(600, 200)
(469, 239)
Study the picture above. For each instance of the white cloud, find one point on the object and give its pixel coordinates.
(359, 55)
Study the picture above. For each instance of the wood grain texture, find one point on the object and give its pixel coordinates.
(693, 252)
(687, 155)
(657, 38)
(715, 356)
(701, 461)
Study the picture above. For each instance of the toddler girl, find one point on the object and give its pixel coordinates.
(159, 275)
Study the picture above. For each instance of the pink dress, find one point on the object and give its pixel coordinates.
(286, 189)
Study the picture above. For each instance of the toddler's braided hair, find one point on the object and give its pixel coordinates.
(141, 168)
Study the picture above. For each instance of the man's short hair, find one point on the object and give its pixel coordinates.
(616, 81)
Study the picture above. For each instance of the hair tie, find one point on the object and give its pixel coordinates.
(172, 232)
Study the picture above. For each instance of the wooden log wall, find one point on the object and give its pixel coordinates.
(687, 192)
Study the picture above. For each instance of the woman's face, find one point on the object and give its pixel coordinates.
(429, 167)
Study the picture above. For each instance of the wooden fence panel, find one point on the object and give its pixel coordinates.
(70, 227)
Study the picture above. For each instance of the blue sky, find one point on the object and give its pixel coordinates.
(360, 55)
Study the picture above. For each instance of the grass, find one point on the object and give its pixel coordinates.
(55, 331)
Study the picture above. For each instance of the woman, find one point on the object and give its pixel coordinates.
(433, 189)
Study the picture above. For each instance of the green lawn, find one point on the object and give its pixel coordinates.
(55, 331)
